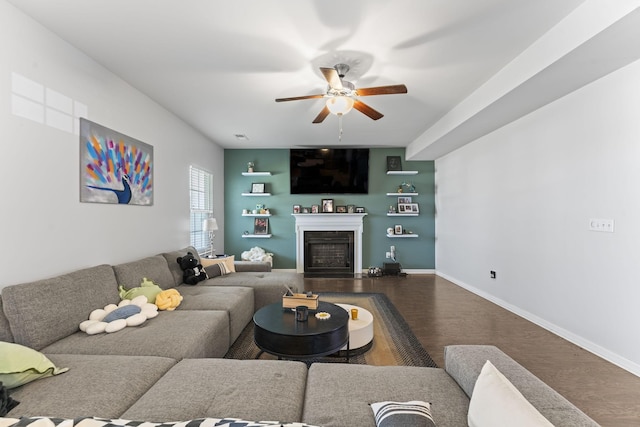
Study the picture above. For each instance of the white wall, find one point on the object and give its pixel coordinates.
(519, 200)
(44, 229)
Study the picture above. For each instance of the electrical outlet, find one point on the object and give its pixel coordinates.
(599, 224)
(388, 254)
(492, 274)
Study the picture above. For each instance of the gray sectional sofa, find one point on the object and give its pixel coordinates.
(171, 367)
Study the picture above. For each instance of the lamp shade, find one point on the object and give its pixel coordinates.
(209, 224)
(340, 104)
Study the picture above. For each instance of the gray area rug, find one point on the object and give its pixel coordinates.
(393, 342)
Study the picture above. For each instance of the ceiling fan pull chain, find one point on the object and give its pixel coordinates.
(340, 127)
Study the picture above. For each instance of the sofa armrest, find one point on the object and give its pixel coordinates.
(464, 363)
(244, 266)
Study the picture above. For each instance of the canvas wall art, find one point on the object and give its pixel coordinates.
(114, 168)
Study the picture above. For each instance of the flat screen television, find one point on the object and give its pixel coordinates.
(329, 170)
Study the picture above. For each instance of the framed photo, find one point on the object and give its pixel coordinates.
(397, 229)
(404, 199)
(315, 208)
(359, 210)
(341, 209)
(257, 187)
(296, 209)
(394, 163)
(306, 210)
(414, 208)
(404, 208)
(351, 209)
(327, 205)
(261, 226)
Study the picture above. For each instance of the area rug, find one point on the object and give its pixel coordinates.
(393, 342)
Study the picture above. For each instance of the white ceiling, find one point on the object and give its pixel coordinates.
(219, 65)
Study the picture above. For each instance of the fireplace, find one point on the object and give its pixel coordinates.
(331, 223)
(328, 253)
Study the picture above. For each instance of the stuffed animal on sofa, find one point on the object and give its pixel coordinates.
(113, 317)
(146, 288)
(168, 299)
(193, 272)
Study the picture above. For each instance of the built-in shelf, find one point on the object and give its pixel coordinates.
(256, 173)
(402, 194)
(401, 236)
(402, 172)
(256, 215)
(256, 194)
(403, 214)
(256, 236)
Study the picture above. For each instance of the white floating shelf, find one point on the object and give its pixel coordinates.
(256, 236)
(403, 214)
(256, 194)
(401, 236)
(402, 172)
(402, 194)
(256, 173)
(257, 215)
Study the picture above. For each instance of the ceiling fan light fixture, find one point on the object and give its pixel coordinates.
(340, 105)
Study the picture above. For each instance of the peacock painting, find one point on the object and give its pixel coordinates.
(114, 168)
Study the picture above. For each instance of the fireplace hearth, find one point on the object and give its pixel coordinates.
(328, 253)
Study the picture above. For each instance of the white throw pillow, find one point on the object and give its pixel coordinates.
(496, 402)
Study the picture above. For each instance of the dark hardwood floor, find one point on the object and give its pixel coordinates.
(441, 313)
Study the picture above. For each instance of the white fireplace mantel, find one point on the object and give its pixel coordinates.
(330, 222)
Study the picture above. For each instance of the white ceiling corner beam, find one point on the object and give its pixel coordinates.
(596, 39)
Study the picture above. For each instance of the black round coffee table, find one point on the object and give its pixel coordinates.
(278, 332)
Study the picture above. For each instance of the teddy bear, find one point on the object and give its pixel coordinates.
(193, 271)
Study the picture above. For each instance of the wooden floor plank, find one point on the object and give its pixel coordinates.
(441, 313)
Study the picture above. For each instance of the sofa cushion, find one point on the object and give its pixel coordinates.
(247, 389)
(226, 264)
(95, 385)
(401, 414)
(154, 268)
(237, 301)
(349, 390)
(172, 262)
(176, 334)
(20, 365)
(464, 363)
(496, 402)
(48, 310)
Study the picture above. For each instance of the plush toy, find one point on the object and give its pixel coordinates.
(147, 288)
(113, 317)
(193, 272)
(257, 254)
(168, 300)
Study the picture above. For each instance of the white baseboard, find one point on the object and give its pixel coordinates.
(578, 340)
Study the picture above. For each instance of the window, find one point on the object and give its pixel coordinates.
(201, 195)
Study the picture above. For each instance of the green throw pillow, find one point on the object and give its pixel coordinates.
(20, 365)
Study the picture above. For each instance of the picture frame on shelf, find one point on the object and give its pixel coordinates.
(394, 163)
(327, 205)
(414, 208)
(404, 199)
(315, 208)
(404, 208)
(397, 229)
(257, 187)
(341, 209)
(261, 226)
(306, 210)
(296, 209)
(351, 209)
(359, 209)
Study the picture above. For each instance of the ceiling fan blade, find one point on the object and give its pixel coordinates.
(382, 90)
(365, 109)
(297, 98)
(323, 115)
(332, 77)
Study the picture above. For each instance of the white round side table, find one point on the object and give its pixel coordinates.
(360, 330)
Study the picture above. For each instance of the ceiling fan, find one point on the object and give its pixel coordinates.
(342, 95)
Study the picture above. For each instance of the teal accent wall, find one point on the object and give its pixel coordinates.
(412, 253)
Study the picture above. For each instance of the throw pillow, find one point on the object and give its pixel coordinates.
(396, 414)
(213, 271)
(226, 264)
(496, 402)
(104, 422)
(20, 365)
